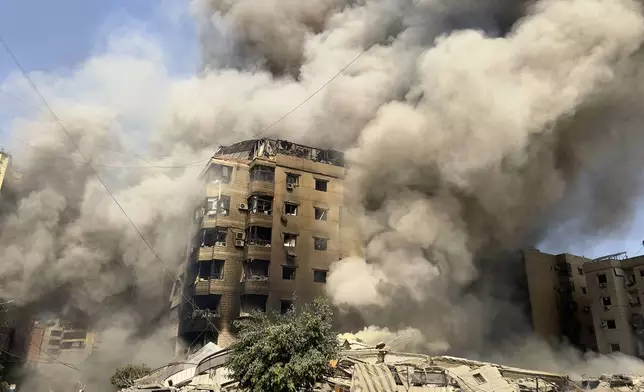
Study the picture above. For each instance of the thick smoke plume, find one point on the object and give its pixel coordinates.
(472, 127)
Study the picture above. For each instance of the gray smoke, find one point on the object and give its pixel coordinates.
(473, 128)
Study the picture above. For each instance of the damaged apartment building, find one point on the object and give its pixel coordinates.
(595, 304)
(271, 223)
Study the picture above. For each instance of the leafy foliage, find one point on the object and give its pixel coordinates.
(125, 376)
(283, 353)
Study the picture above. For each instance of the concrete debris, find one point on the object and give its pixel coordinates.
(364, 368)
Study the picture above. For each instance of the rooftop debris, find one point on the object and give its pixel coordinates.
(364, 368)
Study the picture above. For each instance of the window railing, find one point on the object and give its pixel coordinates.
(258, 242)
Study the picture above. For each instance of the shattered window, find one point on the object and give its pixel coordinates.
(253, 302)
(292, 179)
(214, 236)
(260, 204)
(213, 269)
(259, 236)
(218, 206)
(262, 173)
(290, 240)
(319, 276)
(288, 273)
(256, 269)
(606, 301)
(285, 306)
(610, 324)
(207, 302)
(290, 209)
(321, 214)
(601, 279)
(219, 174)
(321, 185)
(321, 243)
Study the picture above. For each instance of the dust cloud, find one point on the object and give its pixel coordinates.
(469, 125)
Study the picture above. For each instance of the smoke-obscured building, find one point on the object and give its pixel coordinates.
(271, 224)
(616, 283)
(561, 304)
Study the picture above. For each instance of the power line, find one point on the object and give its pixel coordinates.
(94, 171)
(323, 86)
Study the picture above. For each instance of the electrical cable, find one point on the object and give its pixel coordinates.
(95, 172)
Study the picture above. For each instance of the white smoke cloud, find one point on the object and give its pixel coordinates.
(463, 137)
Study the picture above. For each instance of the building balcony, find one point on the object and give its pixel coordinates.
(257, 249)
(255, 285)
(262, 187)
(260, 219)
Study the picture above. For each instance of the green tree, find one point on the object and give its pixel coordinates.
(283, 353)
(124, 376)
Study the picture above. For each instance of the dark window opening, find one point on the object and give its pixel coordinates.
(54, 342)
(601, 279)
(70, 345)
(75, 335)
(290, 209)
(292, 179)
(614, 347)
(212, 269)
(642, 272)
(262, 173)
(580, 270)
(319, 276)
(584, 290)
(219, 174)
(610, 324)
(606, 301)
(290, 240)
(321, 243)
(218, 206)
(256, 269)
(321, 185)
(288, 273)
(565, 269)
(206, 304)
(259, 236)
(56, 333)
(321, 214)
(285, 306)
(253, 302)
(260, 204)
(214, 236)
(478, 377)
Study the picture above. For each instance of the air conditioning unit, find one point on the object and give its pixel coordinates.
(239, 243)
(243, 206)
(240, 236)
(602, 285)
(290, 186)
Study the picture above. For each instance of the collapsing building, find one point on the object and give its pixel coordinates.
(363, 368)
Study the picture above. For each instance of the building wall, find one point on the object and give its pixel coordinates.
(617, 305)
(234, 290)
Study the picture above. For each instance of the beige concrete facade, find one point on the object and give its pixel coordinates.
(560, 300)
(270, 227)
(615, 285)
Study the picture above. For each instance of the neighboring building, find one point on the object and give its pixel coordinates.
(615, 284)
(272, 223)
(59, 341)
(559, 298)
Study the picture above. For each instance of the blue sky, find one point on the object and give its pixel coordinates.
(58, 36)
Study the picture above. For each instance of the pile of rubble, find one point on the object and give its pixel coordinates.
(364, 368)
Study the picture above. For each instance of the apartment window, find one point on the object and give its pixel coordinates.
(213, 269)
(642, 272)
(219, 174)
(478, 377)
(292, 179)
(260, 204)
(262, 173)
(321, 214)
(321, 185)
(565, 269)
(584, 290)
(601, 279)
(218, 206)
(606, 301)
(580, 270)
(290, 240)
(56, 333)
(256, 270)
(214, 236)
(614, 347)
(320, 243)
(285, 306)
(75, 335)
(288, 273)
(70, 345)
(319, 276)
(54, 342)
(290, 209)
(610, 324)
(618, 271)
(208, 302)
(259, 236)
(253, 303)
